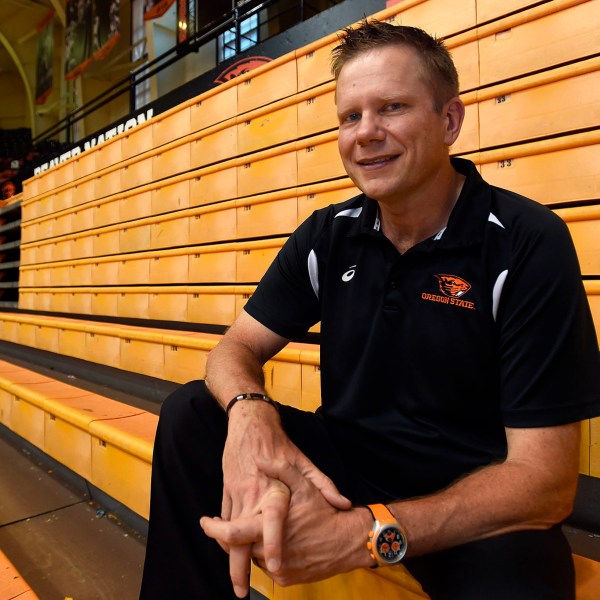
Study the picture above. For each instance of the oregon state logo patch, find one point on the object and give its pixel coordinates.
(452, 288)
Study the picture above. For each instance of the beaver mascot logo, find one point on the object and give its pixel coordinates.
(453, 286)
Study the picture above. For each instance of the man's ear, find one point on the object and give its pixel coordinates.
(454, 111)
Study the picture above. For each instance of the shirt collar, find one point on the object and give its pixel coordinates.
(467, 220)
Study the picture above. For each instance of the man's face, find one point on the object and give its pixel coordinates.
(391, 140)
(8, 190)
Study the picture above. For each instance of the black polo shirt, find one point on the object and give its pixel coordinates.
(428, 355)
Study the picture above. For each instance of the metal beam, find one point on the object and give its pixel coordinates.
(30, 100)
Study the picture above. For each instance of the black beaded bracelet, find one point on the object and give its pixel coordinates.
(251, 396)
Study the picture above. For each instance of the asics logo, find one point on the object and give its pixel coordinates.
(349, 274)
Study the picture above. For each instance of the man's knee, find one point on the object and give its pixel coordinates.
(528, 565)
(189, 412)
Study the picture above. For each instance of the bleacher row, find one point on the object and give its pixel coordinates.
(177, 219)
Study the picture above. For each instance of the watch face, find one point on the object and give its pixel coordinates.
(390, 544)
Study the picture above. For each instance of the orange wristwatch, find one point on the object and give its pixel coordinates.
(387, 540)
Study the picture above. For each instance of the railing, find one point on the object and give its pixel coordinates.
(277, 9)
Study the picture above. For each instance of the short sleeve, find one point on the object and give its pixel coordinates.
(285, 300)
(549, 362)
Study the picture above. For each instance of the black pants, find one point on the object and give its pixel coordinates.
(181, 562)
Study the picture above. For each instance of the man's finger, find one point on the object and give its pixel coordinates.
(226, 507)
(241, 531)
(239, 569)
(323, 483)
(274, 509)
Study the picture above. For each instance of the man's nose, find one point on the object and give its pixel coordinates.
(369, 129)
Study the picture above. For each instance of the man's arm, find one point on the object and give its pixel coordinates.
(255, 437)
(533, 488)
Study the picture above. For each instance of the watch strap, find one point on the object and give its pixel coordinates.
(382, 516)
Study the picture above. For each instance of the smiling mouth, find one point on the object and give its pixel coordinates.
(377, 161)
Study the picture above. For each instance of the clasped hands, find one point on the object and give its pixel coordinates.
(281, 512)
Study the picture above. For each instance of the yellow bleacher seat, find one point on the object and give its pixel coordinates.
(253, 260)
(265, 128)
(268, 214)
(595, 447)
(81, 245)
(84, 164)
(317, 111)
(64, 174)
(521, 43)
(104, 302)
(83, 191)
(213, 224)
(562, 169)
(468, 140)
(171, 125)
(130, 271)
(214, 145)
(62, 224)
(434, 17)
(67, 420)
(80, 302)
(105, 241)
(173, 194)
(268, 170)
(97, 273)
(136, 171)
(46, 181)
(319, 159)
(210, 265)
(313, 62)
(549, 103)
(137, 140)
(214, 106)
(81, 274)
(108, 153)
(592, 288)
(266, 84)
(488, 10)
(115, 468)
(171, 230)
(106, 211)
(322, 195)
(584, 224)
(133, 304)
(215, 305)
(170, 306)
(584, 449)
(62, 198)
(135, 205)
(173, 160)
(213, 184)
(134, 238)
(106, 183)
(171, 267)
(81, 219)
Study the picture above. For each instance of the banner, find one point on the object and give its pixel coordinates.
(92, 31)
(156, 8)
(105, 32)
(45, 58)
(78, 37)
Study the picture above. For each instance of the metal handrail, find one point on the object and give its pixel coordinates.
(209, 32)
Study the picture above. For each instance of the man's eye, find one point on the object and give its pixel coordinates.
(351, 117)
(394, 106)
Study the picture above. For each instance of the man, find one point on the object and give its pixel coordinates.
(8, 190)
(457, 357)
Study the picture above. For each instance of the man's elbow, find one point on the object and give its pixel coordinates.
(557, 504)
